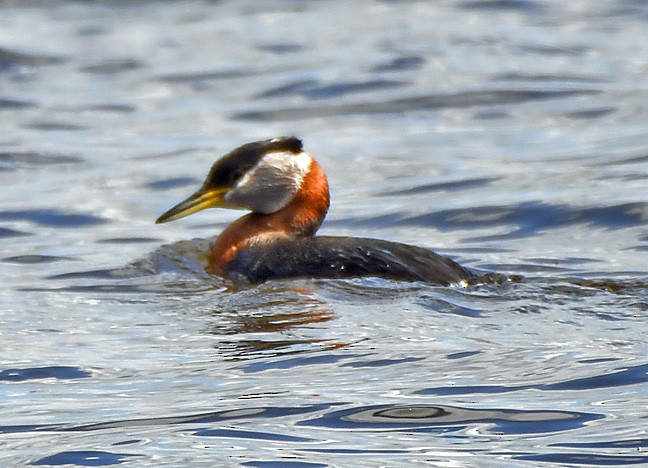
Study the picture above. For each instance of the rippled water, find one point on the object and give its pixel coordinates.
(510, 135)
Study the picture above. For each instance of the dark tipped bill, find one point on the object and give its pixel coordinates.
(197, 202)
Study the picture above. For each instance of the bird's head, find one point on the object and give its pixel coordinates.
(262, 177)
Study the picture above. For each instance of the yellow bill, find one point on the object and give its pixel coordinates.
(203, 198)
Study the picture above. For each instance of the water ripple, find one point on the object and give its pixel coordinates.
(417, 103)
(200, 78)
(112, 66)
(494, 5)
(51, 372)
(451, 186)
(85, 458)
(35, 259)
(52, 218)
(441, 417)
(212, 417)
(587, 459)
(12, 104)
(22, 159)
(14, 59)
(629, 376)
(256, 435)
(407, 62)
(530, 218)
(312, 89)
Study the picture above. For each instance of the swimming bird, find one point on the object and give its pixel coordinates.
(287, 192)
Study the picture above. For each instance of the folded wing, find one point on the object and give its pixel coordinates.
(344, 257)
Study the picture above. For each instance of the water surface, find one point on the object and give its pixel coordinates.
(510, 135)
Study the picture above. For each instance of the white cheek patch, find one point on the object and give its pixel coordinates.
(270, 184)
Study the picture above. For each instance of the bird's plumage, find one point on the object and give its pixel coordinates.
(287, 192)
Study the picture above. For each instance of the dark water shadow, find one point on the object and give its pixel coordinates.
(524, 77)
(312, 89)
(34, 259)
(416, 103)
(203, 79)
(582, 459)
(13, 160)
(283, 464)
(530, 218)
(401, 63)
(100, 107)
(14, 60)
(38, 373)
(211, 417)
(112, 66)
(281, 48)
(409, 418)
(54, 125)
(171, 183)
(634, 375)
(7, 233)
(7, 103)
(52, 218)
(451, 186)
(522, 220)
(86, 458)
(610, 444)
(524, 6)
(441, 418)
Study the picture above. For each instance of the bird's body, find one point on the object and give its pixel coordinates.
(287, 192)
(343, 257)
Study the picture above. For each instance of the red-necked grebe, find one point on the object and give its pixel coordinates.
(288, 195)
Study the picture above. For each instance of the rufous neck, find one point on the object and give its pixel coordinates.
(302, 216)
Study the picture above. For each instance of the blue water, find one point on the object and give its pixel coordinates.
(509, 135)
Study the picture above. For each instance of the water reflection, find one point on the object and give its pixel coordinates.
(255, 322)
(248, 322)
